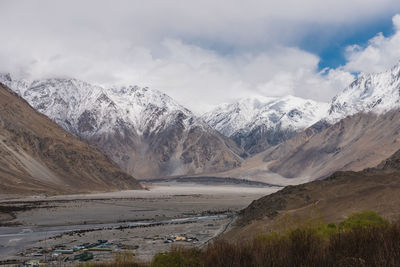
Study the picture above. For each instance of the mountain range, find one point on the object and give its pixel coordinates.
(144, 131)
(150, 135)
(360, 129)
(256, 124)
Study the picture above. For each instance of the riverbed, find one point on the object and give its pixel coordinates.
(144, 222)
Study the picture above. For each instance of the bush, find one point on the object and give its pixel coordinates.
(369, 246)
(362, 246)
(364, 219)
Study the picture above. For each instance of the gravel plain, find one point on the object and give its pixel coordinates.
(144, 222)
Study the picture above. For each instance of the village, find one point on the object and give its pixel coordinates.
(100, 250)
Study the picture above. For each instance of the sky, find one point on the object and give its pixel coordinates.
(202, 53)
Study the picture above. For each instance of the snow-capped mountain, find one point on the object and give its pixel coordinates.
(378, 92)
(143, 130)
(257, 123)
(38, 156)
(362, 129)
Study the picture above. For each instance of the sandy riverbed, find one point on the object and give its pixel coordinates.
(161, 203)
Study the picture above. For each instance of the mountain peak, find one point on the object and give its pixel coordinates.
(256, 123)
(377, 92)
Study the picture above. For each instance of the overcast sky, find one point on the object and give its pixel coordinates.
(202, 53)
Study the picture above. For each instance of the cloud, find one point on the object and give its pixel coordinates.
(396, 22)
(378, 55)
(202, 53)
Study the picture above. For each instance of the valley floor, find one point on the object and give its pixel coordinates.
(139, 221)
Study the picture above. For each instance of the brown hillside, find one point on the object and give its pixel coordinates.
(354, 143)
(330, 200)
(37, 156)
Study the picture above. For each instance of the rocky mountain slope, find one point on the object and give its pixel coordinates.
(365, 130)
(328, 200)
(361, 129)
(258, 123)
(38, 156)
(144, 131)
(354, 143)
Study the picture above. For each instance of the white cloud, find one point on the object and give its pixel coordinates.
(198, 78)
(201, 53)
(378, 55)
(396, 22)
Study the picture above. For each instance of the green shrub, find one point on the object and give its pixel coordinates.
(363, 219)
(267, 239)
(331, 226)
